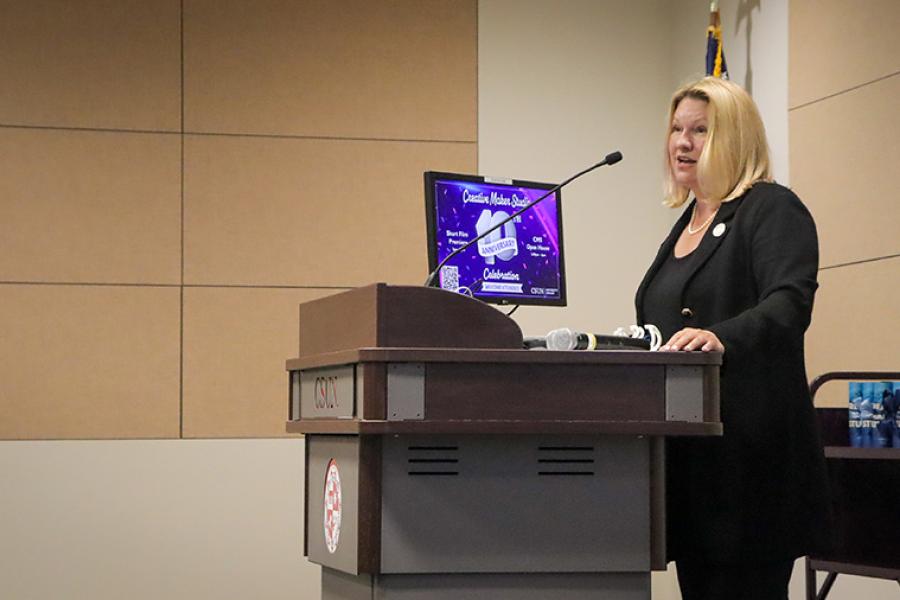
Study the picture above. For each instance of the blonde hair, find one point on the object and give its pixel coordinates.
(736, 153)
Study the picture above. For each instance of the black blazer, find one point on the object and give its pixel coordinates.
(759, 492)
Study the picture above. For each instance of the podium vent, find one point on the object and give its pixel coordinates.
(434, 461)
(555, 461)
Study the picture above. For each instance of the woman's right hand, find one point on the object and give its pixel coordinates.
(689, 339)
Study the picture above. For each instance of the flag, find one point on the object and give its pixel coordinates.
(715, 56)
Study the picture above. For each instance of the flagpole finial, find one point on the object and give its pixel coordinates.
(714, 14)
(715, 57)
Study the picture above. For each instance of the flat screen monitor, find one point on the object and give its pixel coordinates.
(520, 263)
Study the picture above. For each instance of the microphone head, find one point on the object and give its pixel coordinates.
(613, 157)
(561, 339)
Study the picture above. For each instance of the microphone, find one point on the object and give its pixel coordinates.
(610, 159)
(566, 339)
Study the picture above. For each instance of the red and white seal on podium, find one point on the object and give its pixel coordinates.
(332, 504)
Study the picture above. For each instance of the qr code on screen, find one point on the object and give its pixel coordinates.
(450, 278)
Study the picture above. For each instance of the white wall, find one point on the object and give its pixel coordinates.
(755, 36)
(561, 84)
(141, 520)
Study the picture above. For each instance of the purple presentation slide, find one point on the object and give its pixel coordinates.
(520, 260)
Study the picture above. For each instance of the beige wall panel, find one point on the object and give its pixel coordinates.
(839, 44)
(97, 207)
(88, 362)
(404, 69)
(844, 157)
(854, 324)
(91, 63)
(235, 343)
(265, 211)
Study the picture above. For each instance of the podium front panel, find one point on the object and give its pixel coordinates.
(332, 501)
(531, 503)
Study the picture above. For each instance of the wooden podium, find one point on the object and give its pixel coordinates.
(445, 462)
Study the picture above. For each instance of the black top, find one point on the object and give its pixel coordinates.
(662, 301)
(759, 491)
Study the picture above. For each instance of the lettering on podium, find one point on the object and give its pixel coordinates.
(328, 393)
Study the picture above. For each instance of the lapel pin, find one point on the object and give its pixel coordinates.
(719, 229)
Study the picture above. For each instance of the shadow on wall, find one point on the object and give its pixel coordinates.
(745, 12)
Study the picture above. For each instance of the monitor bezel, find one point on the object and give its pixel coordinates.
(431, 177)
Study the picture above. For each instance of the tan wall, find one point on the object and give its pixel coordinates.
(177, 177)
(845, 148)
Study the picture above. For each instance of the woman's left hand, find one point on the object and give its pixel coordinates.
(689, 339)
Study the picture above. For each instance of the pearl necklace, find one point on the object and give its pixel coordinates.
(703, 225)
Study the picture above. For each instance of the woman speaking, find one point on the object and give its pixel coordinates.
(737, 274)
